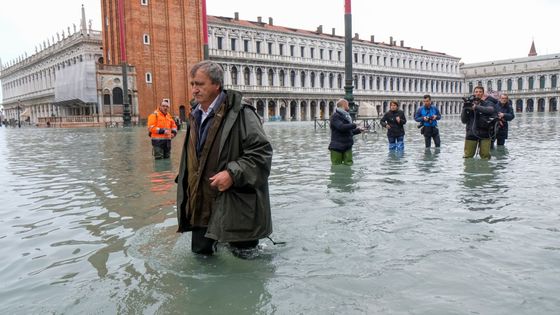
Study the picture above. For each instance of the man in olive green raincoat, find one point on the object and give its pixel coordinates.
(222, 193)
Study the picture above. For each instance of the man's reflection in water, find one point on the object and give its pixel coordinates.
(429, 160)
(479, 180)
(162, 178)
(341, 178)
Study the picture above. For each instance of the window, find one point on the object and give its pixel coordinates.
(331, 79)
(246, 45)
(355, 57)
(339, 81)
(106, 99)
(302, 51)
(363, 83)
(220, 43)
(302, 77)
(282, 78)
(330, 54)
(270, 77)
(363, 58)
(370, 59)
(148, 77)
(339, 55)
(117, 95)
(541, 81)
(321, 53)
(259, 77)
(233, 42)
(312, 77)
(531, 83)
(489, 86)
(146, 38)
(554, 81)
(499, 85)
(269, 48)
(281, 49)
(292, 50)
(246, 76)
(385, 61)
(520, 84)
(470, 87)
(258, 47)
(321, 80)
(144, 2)
(311, 53)
(234, 75)
(509, 85)
(293, 78)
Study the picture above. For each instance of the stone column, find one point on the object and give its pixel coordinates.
(308, 110)
(298, 110)
(265, 111)
(289, 110)
(227, 75)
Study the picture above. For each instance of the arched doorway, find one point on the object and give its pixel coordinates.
(293, 110)
(322, 107)
(313, 109)
(260, 108)
(519, 106)
(385, 106)
(540, 105)
(331, 108)
(552, 105)
(272, 111)
(530, 105)
(303, 110)
(282, 110)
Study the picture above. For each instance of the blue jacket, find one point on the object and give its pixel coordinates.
(429, 112)
(342, 133)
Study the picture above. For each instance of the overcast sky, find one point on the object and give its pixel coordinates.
(474, 30)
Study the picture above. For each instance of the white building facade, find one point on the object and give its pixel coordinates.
(292, 74)
(64, 83)
(531, 82)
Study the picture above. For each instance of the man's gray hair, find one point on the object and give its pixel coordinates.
(340, 102)
(212, 69)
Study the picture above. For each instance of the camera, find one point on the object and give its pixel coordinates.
(469, 101)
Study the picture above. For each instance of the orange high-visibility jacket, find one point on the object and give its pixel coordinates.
(156, 121)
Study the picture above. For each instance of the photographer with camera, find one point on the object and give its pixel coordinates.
(505, 113)
(427, 116)
(479, 116)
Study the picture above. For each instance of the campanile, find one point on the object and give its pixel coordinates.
(162, 39)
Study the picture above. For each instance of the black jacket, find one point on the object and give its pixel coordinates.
(342, 133)
(479, 121)
(509, 115)
(390, 118)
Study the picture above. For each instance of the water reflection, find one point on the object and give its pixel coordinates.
(341, 178)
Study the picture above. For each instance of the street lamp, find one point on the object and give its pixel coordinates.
(18, 114)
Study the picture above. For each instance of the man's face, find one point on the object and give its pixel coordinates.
(164, 107)
(394, 107)
(204, 91)
(345, 106)
(478, 93)
(427, 102)
(504, 99)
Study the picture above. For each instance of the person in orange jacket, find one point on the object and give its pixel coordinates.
(162, 129)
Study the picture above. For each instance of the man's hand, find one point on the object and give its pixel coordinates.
(398, 120)
(222, 181)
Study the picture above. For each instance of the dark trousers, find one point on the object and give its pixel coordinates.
(207, 246)
(161, 148)
(429, 133)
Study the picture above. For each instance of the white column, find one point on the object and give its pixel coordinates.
(265, 111)
(298, 110)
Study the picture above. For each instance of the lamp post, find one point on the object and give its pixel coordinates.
(348, 88)
(18, 114)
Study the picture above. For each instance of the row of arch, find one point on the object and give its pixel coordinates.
(542, 80)
(321, 79)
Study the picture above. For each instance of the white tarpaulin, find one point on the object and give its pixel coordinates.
(366, 110)
(76, 82)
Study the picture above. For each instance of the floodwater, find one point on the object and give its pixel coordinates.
(88, 227)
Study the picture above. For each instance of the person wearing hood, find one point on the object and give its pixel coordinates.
(478, 117)
(394, 120)
(505, 114)
(222, 193)
(342, 134)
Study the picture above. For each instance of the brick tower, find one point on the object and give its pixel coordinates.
(162, 40)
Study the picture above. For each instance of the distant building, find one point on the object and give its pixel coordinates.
(293, 74)
(530, 82)
(59, 84)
